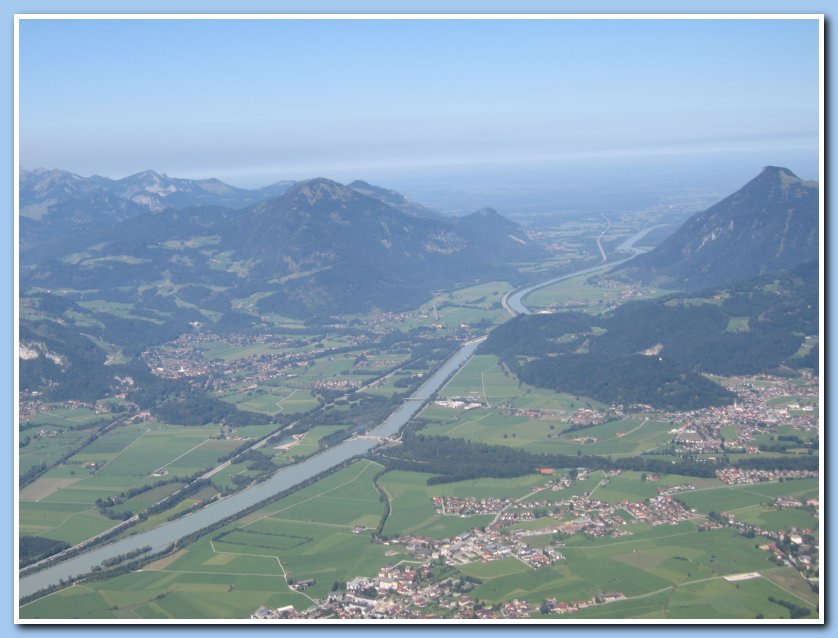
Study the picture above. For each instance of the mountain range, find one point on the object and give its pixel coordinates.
(321, 247)
(55, 202)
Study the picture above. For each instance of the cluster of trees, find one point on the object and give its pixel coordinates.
(193, 487)
(32, 473)
(200, 410)
(31, 549)
(802, 462)
(627, 379)
(257, 461)
(110, 562)
(108, 505)
(459, 460)
(795, 610)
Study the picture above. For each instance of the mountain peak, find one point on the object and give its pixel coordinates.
(143, 176)
(780, 180)
(777, 171)
(768, 225)
(781, 175)
(320, 189)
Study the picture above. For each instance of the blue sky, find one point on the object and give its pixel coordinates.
(254, 101)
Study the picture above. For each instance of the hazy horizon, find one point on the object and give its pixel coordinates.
(252, 102)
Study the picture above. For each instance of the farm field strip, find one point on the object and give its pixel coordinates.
(311, 498)
(177, 458)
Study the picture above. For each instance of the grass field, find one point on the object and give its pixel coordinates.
(729, 498)
(753, 503)
(485, 380)
(163, 594)
(468, 305)
(709, 599)
(126, 457)
(628, 486)
(292, 393)
(660, 560)
(66, 418)
(49, 449)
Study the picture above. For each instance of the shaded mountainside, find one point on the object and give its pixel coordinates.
(769, 225)
(654, 351)
(332, 249)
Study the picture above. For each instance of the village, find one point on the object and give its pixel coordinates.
(409, 590)
(421, 592)
(760, 408)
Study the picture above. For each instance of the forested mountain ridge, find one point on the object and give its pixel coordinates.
(654, 351)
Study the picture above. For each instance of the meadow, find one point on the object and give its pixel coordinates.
(61, 503)
(485, 380)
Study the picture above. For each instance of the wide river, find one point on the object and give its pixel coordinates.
(161, 537)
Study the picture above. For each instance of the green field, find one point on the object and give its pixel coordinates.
(662, 559)
(485, 380)
(273, 400)
(732, 497)
(628, 486)
(126, 457)
(49, 449)
(468, 305)
(163, 594)
(66, 418)
(294, 391)
(710, 599)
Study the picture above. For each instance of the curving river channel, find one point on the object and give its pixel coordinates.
(514, 301)
(286, 478)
